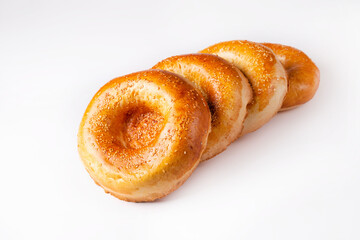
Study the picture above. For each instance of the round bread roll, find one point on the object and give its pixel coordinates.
(265, 73)
(143, 134)
(302, 74)
(225, 89)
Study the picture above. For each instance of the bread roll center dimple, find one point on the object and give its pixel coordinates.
(136, 127)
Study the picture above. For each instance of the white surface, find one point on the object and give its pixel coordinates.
(295, 178)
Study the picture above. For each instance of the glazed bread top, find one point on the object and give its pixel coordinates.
(265, 73)
(303, 75)
(225, 89)
(143, 134)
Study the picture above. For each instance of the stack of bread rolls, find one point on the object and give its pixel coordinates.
(143, 134)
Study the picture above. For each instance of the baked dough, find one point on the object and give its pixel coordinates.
(302, 73)
(225, 89)
(143, 134)
(265, 73)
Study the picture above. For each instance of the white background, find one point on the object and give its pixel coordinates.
(295, 178)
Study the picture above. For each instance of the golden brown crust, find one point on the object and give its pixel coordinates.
(265, 73)
(303, 75)
(225, 89)
(143, 134)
